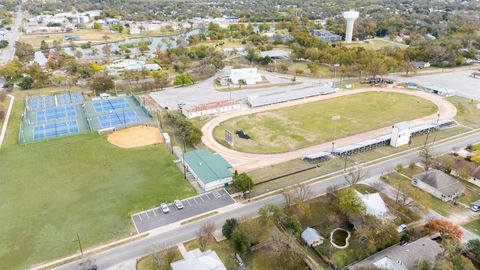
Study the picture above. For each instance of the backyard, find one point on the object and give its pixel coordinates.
(80, 184)
(310, 124)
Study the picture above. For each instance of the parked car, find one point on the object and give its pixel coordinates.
(402, 228)
(92, 267)
(178, 204)
(165, 208)
(475, 208)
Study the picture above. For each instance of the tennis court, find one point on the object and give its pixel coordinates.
(65, 114)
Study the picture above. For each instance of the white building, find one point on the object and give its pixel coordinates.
(375, 206)
(312, 237)
(249, 75)
(439, 184)
(130, 65)
(400, 134)
(198, 260)
(210, 108)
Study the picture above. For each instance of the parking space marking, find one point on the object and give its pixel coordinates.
(139, 216)
(194, 199)
(208, 196)
(188, 201)
(154, 212)
(146, 213)
(201, 197)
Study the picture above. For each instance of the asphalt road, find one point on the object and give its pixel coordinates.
(11, 37)
(157, 241)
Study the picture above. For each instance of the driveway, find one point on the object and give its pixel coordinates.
(247, 161)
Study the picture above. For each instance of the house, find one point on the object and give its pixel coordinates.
(466, 169)
(210, 170)
(325, 35)
(402, 256)
(210, 108)
(389, 263)
(249, 76)
(375, 206)
(444, 92)
(130, 65)
(439, 184)
(198, 260)
(312, 237)
(420, 65)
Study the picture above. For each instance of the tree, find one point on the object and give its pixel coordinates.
(228, 227)
(3, 43)
(205, 234)
(349, 204)
(241, 82)
(473, 246)
(302, 209)
(24, 51)
(160, 77)
(377, 67)
(354, 175)
(446, 229)
(182, 79)
(26, 83)
(253, 229)
(303, 191)
(252, 55)
(427, 157)
(78, 54)
(269, 214)
(102, 83)
(242, 182)
(293, 224)
(11, 70)
(239, 241)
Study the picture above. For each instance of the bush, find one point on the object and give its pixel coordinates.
(412, 165)
(3, 43)
(239, 241)
(3, 96)
(2, 115)
(228, 227)
(26, 83)
(292, 223)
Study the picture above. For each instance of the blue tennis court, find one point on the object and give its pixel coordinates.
(118, 119)
(69, 98)
(55, 113)
(41, 102)
(54, 130)
(110, 105)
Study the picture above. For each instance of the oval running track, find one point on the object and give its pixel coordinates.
(249, 161)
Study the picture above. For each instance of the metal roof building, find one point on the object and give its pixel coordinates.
(280, 97)
(210, 170)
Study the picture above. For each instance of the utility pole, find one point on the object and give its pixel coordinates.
(79, 244)
(435, 137)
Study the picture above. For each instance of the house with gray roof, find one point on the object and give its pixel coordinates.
(439, 184)
(312, 237)
(209, 169)
(198, 260)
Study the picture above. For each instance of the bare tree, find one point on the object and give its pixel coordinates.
(427, 158)
(303, 191)
(287, 196)
(355, 175)
(205, 233)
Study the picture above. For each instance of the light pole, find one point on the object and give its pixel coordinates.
(435, 137)
(428, 133)
(335, 118)
(335, 66)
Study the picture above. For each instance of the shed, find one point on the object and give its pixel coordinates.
(312, 237)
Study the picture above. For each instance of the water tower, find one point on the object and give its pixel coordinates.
(350, 16)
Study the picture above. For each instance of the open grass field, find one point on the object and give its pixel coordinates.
(467, 112)
(52, 190)
(323, 71)
(375, 44)
(150, 263)
(310, 124)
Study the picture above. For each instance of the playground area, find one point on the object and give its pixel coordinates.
(136, 137)
(67, 114)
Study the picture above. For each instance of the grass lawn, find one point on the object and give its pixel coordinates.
(467, 112)
(310, 124)
(148, 262)
(473, 226)
(375, 44)
(52, 190)
(323, 71)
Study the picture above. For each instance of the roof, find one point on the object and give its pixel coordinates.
(199, 260)
(421, 249)
(275, 54)
(471, 168)
(439, 180)
(212, 105)
(439, 89)
(402, 125)
(207, 166)
(374, 205)
(388, 263)
(310, 235)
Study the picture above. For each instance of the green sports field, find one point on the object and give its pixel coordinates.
(310, 124)
(49, 191)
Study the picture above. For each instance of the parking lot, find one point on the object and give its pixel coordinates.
(193, 206)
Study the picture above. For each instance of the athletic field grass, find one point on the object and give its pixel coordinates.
(375, 44)
(310, 124)
(50, 191)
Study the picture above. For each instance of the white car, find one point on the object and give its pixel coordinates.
(178, 204)
(402, 228)
(165, 208)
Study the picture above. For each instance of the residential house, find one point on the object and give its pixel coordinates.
(438, 184)
(312, 237)
(375, 206)
(401, 257)
(466, 169)
(420, 65)
(198, 260)
(210, 170)
(249, 76)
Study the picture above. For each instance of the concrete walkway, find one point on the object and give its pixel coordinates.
(7, 117)
(182, 250)
(248, 161)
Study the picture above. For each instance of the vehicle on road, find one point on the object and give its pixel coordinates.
(178, 204)
(402, 228)
(92, 267)
(475, 208)
(165, 208)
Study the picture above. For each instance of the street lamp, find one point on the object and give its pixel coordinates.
(428, 133)
(435, 137)
(335, 118)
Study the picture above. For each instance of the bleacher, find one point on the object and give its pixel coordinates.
(285, 96)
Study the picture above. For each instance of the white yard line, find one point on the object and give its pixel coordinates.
(7, 117)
